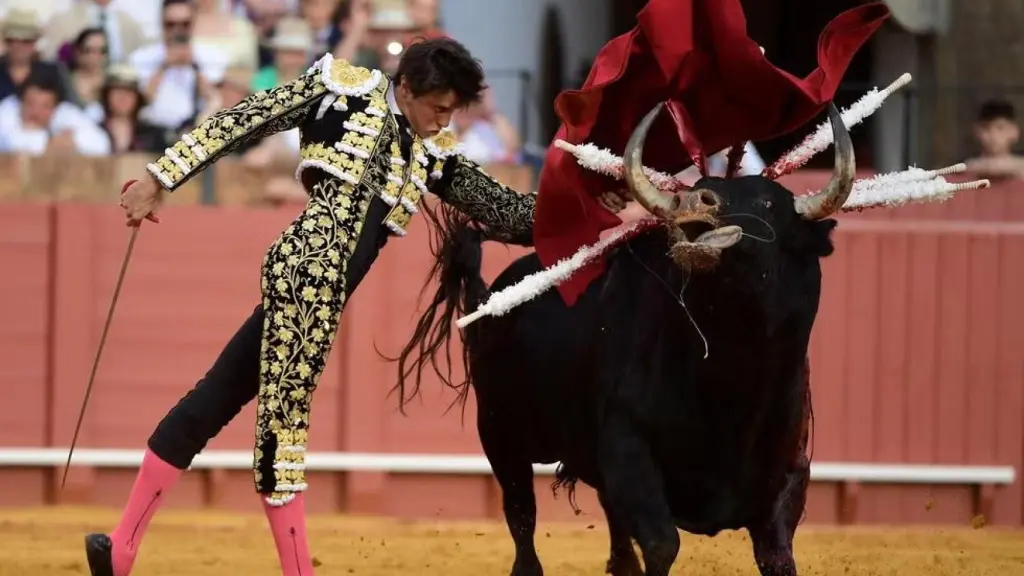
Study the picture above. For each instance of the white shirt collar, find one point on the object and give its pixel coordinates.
(392, 102)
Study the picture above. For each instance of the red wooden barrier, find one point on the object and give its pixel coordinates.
(916, 358)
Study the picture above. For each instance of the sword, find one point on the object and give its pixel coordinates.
(99, 350)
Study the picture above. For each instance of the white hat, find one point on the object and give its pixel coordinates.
(391, 15)
(293, 34)
(22, 24)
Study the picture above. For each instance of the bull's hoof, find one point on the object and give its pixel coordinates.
(529, 567)
(98, 550)
(629, 566)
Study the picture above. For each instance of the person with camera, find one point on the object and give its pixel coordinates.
(178, 74)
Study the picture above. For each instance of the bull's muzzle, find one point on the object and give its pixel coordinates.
(692, 214)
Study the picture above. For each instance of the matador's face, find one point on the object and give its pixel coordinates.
(430, 113)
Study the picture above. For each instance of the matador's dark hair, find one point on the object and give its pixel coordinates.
(439, 65)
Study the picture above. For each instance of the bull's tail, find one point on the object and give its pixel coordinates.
(456, 244)
(564, 478)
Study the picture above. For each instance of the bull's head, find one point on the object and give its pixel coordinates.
(695, 216)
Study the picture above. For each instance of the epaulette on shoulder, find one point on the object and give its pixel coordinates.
(444, 145)
(346, 79)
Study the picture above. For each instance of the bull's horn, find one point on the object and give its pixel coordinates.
(641, 188)
(834, 195)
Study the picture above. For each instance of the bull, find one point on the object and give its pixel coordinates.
(676, 386)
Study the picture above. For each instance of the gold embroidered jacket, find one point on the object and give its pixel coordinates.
(349, 132)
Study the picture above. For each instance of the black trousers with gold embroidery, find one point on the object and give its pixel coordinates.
(278, 353)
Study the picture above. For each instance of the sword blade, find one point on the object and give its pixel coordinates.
(99, 351)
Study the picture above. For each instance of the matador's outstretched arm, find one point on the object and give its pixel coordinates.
(257, 116)
(507, 214)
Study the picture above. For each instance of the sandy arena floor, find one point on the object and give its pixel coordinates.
(48, 542)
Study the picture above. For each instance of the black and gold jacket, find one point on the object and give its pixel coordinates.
(349, 132)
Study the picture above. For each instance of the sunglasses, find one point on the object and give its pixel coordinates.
(102, 50)
(173, 24)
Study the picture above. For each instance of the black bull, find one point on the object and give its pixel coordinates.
(676, 387)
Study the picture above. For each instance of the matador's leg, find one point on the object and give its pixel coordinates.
(304, 293)
(305, 287)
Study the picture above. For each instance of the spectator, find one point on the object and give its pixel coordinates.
(21, 34)
(350, 40)
(487, 136)
(122, 101)
(293, 48)
(233, 35)
(996, 131)
(178, 75)
(235, 85)
(424, 17)
(391, 30)
(35, 121)
(319, 14)
(124, 34)
(233, 88)
(88, 64)
(265, 17)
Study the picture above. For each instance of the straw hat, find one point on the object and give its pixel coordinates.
(122, 76)
(22, 24)
(293, 34)
(391, 16)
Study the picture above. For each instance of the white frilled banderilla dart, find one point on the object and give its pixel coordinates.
(913, 185)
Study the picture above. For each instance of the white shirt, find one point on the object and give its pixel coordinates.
(175, 98)
(89, 138)
(147, 13)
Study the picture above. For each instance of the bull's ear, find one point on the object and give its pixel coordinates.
(812, 237)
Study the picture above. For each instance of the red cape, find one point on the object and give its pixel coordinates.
(696, 54)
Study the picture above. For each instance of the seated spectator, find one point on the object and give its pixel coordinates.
(320, 16)
(234, 87)
(486, 134)
(35, 121)
(22, 30)
(87, 67)
(122, 101)
(390, 31)
(293, 48)
(265, 16)
(997, 131)
(425, 18)
(124, 34)
(277, 155)
(233, 35)
(178, 75)
(350, 39)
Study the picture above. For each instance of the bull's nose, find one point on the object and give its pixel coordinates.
(710, 199)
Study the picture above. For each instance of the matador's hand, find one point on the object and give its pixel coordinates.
(141, 199)
(615, 201)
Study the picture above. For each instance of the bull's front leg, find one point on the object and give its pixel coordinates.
(773, 536)
(622, 560)
(634, 491)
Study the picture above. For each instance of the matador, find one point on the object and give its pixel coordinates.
(371, 147)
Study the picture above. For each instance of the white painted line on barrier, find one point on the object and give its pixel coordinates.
(475, 464)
